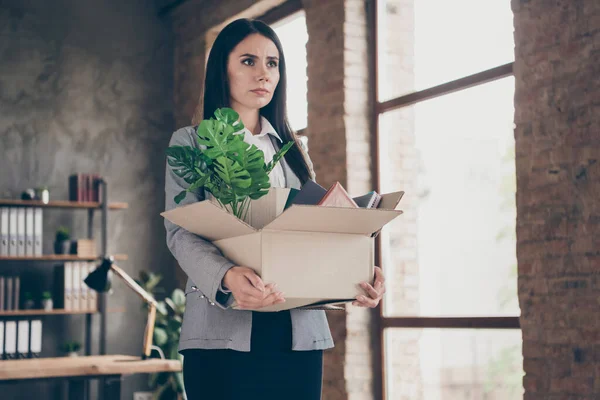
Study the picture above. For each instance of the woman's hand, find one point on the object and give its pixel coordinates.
(248, 289)
(375, 292)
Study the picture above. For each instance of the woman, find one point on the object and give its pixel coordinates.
(241, 354)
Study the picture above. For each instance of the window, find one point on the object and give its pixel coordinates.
(444, 117)
(293, 35)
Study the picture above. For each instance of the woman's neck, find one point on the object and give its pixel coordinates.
(251, 120)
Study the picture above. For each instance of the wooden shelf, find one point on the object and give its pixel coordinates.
(26, 313)
(83, 366)
(60, 257)
(62, 204)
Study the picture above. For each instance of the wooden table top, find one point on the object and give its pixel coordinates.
(63, 367)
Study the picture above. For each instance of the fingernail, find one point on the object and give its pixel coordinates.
(363, 284)
(362, 298)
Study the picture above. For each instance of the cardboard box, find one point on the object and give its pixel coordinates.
(315, 254)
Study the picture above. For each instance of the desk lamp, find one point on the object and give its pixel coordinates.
(100, 281)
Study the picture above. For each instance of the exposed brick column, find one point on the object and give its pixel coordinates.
(340, 147)
(327, 142)
(557, 117)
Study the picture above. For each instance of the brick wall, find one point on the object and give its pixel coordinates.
(557, 115)
(338, 122)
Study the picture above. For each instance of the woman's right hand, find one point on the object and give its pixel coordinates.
(249, 291)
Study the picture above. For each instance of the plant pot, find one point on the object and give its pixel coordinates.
(47, 304)
(29, 305)
(62, 247)
(72, 354)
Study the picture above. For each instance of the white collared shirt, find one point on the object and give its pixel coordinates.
(263, 142)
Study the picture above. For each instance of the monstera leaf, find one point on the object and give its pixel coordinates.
(235, 180)
(185, 161)
(278, 156)
(225, 166)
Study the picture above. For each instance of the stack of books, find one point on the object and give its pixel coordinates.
(21, 231)
(10, 287)
(86, 248)
(336, 196)
(85, 187)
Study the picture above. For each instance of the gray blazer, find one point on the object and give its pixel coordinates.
(209, 322)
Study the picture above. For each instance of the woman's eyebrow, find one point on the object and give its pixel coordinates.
(253, 56)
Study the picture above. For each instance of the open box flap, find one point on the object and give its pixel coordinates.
(332, 219)
(389, 201)
(208, 220)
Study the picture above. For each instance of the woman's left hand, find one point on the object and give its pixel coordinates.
(375, 292)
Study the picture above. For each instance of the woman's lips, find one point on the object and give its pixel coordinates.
(260, 92)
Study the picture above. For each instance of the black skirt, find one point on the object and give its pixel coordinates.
(271, 370)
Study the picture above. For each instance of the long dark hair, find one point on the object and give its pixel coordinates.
(217, 95)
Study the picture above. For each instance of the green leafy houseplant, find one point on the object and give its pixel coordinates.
(167, 329)
(62, 244)
(230, 169)
(70, 347)
(62, 234)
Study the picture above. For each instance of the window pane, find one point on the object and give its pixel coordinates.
(453, 251)
(423, 43)
(293, 35)
(453, 364)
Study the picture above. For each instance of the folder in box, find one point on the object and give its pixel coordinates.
(12, 231)
(2, 294)
(36, 337)
(8, 300)
(1, 340)
(20, 231)
(29, 232)
(16, 292)
(83, 289)
(92, 296)
(4, 231)
(63, 286)
(10, 339)
(38, 230)
(75, 285)
(23, 338)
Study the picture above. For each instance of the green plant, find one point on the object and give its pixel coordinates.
(62, 234)
(46, 295)
(230, 169)
(70, 346)
(167, 329)
(28, 296)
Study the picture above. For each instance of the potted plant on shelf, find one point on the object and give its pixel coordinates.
(62, 243)
(29, 303)
(47, 303)
(71, 348)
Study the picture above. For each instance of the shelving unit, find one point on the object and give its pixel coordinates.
(61, 257)
(31, 313)
(61, 204)
(91, 207)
